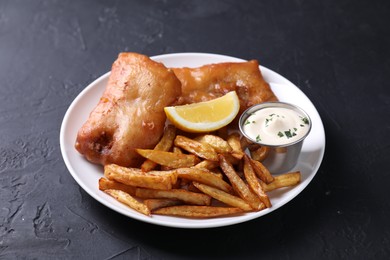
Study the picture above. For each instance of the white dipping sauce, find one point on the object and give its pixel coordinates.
(276, 126)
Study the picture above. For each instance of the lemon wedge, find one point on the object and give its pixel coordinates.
(205, 116)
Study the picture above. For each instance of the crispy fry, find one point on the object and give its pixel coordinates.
(105, 184)
(154, 204)
(234, 142)
(283, 180)
(197, 211)
(169, 159)
(248, 144)
(224, 197)
(127, 199)
(176, 150)
(165, 168)
(245, 143)
(164, 144)
(260, 154)
(207, 164)
(232, 159)
(239, 185)
(204, 176)
(261, 171)
(180, 194)
(135, 177)
(254, 183)
(184, 183)
(202, 150)
(171, 173)
(217, 172)
(219, 144)
(191, 187)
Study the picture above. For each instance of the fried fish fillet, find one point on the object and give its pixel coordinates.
(130, 114)
(215, 80)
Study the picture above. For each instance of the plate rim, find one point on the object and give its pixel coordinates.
(197, 225)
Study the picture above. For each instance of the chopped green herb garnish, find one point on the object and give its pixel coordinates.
(247, 122)
(280, 134)
(258, 139)
(305, 120)
(301, 125)
(289, 134)
(267, 120)
(295, 129)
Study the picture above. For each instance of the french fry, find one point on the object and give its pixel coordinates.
(180, 194)
(135, 177)
(235, 143)
(204, 176)
(128, 200)
(165, 168)
(224, 197)
(254, 183)
(169, 159)
(105, 184)
(202, 150)
(164, 144)
(248, 144)
(261, 171)
(176, 150)
(191, 187)
(207, 164)
(171, 173)
(239, 185)
(219, 144)
(232, 159)
(260, 154)
(283, 180)
(217, 172)
(197, 171)
(197, 211)
(154, 204)
(177, 185)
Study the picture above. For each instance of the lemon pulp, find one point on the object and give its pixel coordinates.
(205, 116)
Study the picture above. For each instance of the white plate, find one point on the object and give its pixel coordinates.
(87, 174)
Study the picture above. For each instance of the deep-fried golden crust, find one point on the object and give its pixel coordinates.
(215, 80)
(130, 113)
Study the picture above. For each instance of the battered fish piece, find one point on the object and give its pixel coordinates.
(130, 114)
(215, 80)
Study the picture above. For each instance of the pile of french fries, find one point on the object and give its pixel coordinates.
(203, 176)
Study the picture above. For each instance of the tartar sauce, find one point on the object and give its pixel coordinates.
(276, 126)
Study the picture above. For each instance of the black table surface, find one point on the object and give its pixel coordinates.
(336, 52)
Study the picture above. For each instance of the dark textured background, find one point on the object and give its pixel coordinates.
(337, 52)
